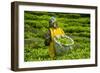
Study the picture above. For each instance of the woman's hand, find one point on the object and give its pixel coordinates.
(58, 36)
(62, 35)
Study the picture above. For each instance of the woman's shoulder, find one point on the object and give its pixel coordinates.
(59, 28)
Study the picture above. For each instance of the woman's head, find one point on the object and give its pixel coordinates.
(53, 22)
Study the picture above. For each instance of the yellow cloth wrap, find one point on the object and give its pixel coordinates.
(54, 32)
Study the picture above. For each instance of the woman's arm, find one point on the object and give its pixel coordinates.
(47, 38)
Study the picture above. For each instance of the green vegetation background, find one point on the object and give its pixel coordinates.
(36, 24)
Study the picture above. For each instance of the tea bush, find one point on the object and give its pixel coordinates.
(36, 24)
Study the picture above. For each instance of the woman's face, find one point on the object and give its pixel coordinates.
(53, 22)
(54, 25)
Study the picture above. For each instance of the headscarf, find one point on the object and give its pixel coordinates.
(52, 21)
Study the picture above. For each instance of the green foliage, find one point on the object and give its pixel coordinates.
(64, 40)
(77, 26)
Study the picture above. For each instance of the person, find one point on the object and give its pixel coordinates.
(53, 32)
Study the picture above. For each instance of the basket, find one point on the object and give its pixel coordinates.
(61, 48)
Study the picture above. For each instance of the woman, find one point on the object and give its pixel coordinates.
(53, 32)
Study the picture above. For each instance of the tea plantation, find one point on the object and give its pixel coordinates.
(36, 24)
